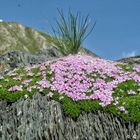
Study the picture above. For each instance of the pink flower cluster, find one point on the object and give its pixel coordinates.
(72, 80)
(137, 68)
(75, 76)
(15, 88)
(44, 83)
(26, 82)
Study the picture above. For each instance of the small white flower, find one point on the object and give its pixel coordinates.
(122, 108)
(124, 103)
(50, 94)
(116, 102)
(139, 89)
(61, 97)
(116, 99)
(50, 72)
(6, 80)
(25, 96)
(131, 92)
(53, 88)
(52, 79)
(126, 112)
(41, 89)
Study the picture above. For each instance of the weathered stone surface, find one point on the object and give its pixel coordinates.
(43, 119)
(131, 60)
(15, 59)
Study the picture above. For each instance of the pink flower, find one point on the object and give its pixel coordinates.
(137, 68)
(29, 89)
(27, 81)
(17, 78)
(42, 68)
(131, 92)
(44, 83)
(38, 74)
(15, 88)
(50, 94)
(27, 69)
(122, 108)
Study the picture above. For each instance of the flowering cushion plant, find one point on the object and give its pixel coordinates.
(79, 83)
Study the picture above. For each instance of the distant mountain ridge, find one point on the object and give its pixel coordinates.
(131, 60)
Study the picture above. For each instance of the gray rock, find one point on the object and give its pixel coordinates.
(131, 60)
(15, 59)
(42, 119)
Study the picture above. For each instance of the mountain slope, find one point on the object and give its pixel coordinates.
(15, 36)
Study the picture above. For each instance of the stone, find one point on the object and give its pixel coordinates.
(40, 118)
(131, 60)
(15, 59)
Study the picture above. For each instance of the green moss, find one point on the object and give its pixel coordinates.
(126, 67)
(123, 88)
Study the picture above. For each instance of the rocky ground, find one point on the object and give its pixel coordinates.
(15, 59)
(43, 119)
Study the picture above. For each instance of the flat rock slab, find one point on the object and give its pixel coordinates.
(42, 119)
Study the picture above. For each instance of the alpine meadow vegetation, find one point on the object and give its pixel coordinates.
(80, 83)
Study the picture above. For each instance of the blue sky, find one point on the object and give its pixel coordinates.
(117, 32)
